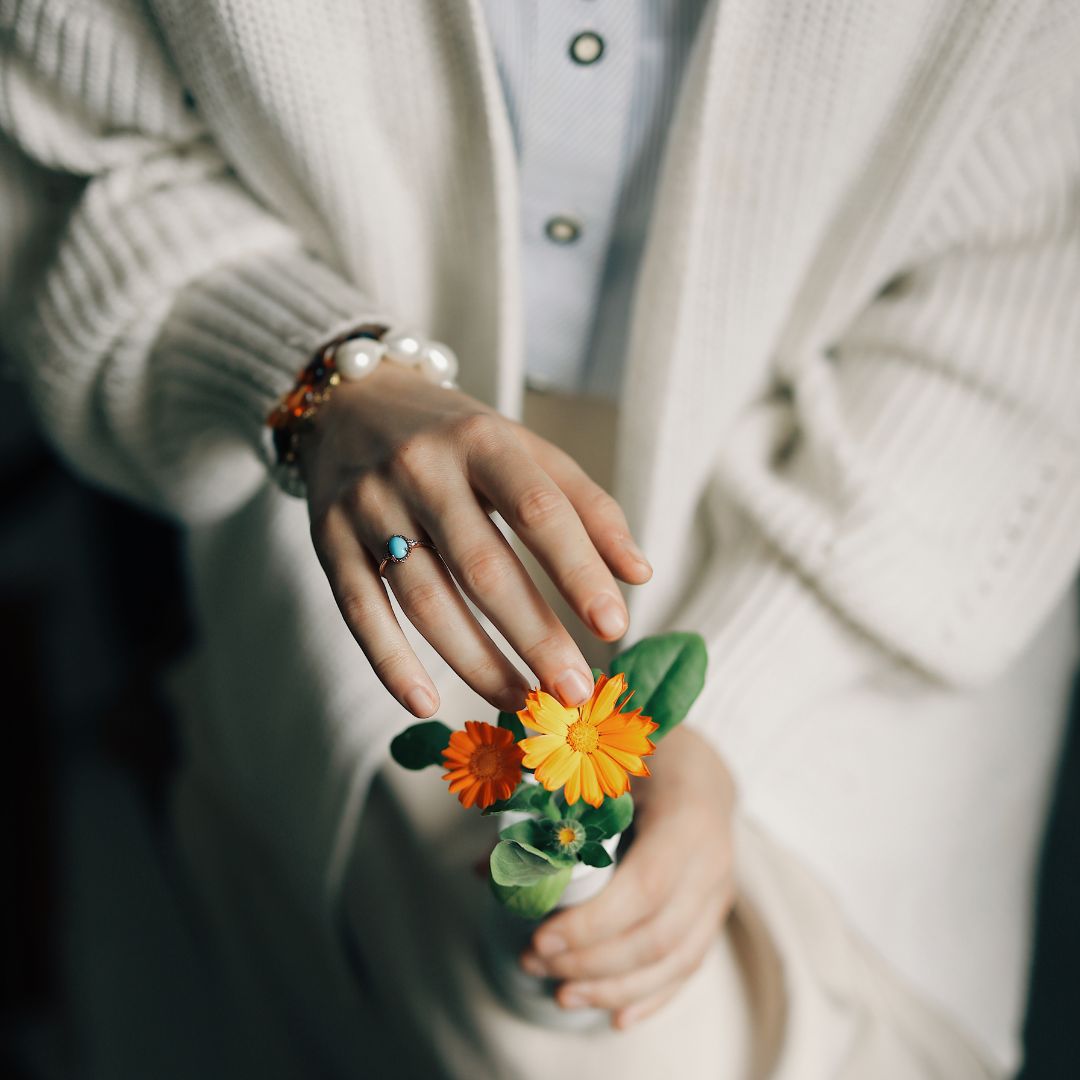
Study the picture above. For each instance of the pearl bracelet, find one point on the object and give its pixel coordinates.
(350, 356)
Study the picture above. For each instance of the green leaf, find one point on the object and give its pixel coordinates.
(596, 673)
(534, 838)
(514, 864)
(526, 797)
(528, 832)
(421, 745)
(666, 673)
(536, 900)
(564, 810)
(592, 832)
(512, 724)
(594, 854)
(611, 817)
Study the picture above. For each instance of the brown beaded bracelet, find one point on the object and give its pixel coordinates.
(293, 414)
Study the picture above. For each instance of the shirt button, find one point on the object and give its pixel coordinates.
(587, 47)
(562, 230)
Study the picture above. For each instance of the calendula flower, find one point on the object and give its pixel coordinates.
(568, 836)
(483, 763)
(587, 751)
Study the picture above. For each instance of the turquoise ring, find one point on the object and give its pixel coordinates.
(399, 547)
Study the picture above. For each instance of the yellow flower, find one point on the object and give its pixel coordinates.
(483, 763)
(587, 751)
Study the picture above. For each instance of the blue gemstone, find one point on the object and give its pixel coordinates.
(399, 547)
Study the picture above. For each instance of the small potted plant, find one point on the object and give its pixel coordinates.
(563, 794)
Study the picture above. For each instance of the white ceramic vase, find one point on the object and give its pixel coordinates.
(530, 996)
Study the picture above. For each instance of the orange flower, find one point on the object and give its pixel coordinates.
(587, 751)
(484, 764)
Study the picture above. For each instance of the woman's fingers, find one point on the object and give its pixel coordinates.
(448, 459)
(492, 576)
(640, 984)
(645, 943)
(365, 607)
(539, 512)
(600, 514)
(431, 601)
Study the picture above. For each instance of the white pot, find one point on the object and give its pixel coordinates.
(508, 935)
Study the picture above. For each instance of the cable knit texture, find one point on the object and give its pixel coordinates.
(850, 438)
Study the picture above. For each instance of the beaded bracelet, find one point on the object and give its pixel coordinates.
(351, 356)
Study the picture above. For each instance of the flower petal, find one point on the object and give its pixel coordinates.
(632, 763)
(605, 695)
(613, 779)
(546, 713)
(632, 720)
(590, 782)
(630, 741)
(538, 747)
(556, 769)
(572, 788)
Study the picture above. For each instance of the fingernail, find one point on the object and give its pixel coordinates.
(572, 1000)
(636, 553)
(608, 616)
(420, 702)
(573, 687)
(549, 945)
(628, 1017)
(533, 965)
(511, 699)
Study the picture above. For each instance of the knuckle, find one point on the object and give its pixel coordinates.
(410, 462)
(424, 601)
(358, 611)
(391, 667)
(478, 431)
(363, 497)
(486, 674)
(538, 507)
(556, 648)
(581, 577)
(605, 504)
(485, 570)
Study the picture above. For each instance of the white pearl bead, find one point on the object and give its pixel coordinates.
(404, 346)
(438, 362)
(358, 357)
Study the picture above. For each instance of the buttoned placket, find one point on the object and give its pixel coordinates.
(573, 138)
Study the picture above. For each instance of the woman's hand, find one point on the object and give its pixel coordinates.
(631, 948)
(394, 453)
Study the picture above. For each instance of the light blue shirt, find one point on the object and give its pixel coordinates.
(590, 87)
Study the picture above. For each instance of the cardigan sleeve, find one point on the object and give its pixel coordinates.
(174, 308)
(907, 499)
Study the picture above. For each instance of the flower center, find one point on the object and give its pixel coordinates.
(582, 737)
(485, 762)
(569, 836)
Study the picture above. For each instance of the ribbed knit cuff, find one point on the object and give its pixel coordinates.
(242, 332)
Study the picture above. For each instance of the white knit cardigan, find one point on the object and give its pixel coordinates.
(849, 427)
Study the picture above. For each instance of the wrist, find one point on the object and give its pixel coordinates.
(351, 357)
